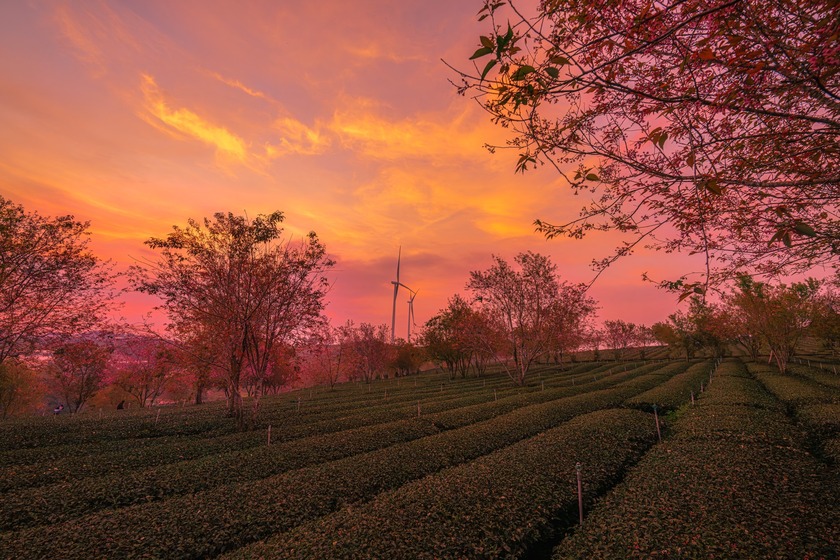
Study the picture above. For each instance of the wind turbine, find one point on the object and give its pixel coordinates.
(397, 285)
(410, 313)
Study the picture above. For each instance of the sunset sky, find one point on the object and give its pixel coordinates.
(139, 115)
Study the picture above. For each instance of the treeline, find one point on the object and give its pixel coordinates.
(245, 317)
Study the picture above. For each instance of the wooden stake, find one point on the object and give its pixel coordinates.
(580, 492)
(692, 398)
(494, 395)
(656, 418)
(269, 435)
(157, 417)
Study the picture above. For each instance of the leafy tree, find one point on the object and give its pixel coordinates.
(143, 367)
(524, 305)
(19, 387)
(620, 336)
(50, 283)
(407, 358)
(78, 370)
(247, 289)
(779, 313)
(706, 126)
(371, 350)
(445, 336)
(826, 325)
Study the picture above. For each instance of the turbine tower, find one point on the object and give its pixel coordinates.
(410, 313)
(397, 285)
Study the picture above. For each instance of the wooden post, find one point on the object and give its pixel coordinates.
(701, 386)
(157, 417)
(269, 435)
(692, 397)
(542, 385)
(494, 395)
(580, 492)
(656, 419)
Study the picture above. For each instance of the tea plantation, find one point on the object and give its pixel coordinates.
(745, 464)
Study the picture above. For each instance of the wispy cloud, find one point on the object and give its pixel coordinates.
(236, 84)
(185, 122)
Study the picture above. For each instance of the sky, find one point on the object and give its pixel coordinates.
(139, 115)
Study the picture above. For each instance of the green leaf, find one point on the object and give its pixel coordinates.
(487, 42)
(559, 60)
(804, 229)
(552, 71)
(483, 51)
(706, 54)
(592, 177)
(521, 73)
(487, 68)
(662, 137)
(690, 159)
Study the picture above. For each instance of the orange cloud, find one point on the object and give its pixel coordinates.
(185, 122)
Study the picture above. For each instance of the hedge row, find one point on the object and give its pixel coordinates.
(676, 391)
(37, 506)
(69, 466)
(736, 492)
(497, 506)
(792, 389)
(821, 376)
(230, 516)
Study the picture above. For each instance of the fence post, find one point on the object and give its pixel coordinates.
(580, 492)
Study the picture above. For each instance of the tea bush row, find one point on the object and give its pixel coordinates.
(676, 391)
(230, 516)
(719, 489)
(497, 506)
(71, 465)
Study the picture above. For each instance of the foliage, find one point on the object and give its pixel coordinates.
(143, 367)
(245, 288)
(51, 285)
(496, 506)
(778, 313)
(529, 307)
(706, 127)
(78, 370)
(722, 487)
(675, 392)
(19, 387)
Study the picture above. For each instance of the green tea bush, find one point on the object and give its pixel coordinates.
(229, 516)
(496, 506)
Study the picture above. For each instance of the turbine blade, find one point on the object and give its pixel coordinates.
(399, 254)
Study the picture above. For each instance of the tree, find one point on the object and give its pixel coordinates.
(523, 304)
(406, 358)
(50, 283)
(143, 367)
(620, 336)
(247, 289)
(826, 325)
(779, 313)
(19, 387)
(371, 350)
(709, 126)
(445, 336)
(78, 370)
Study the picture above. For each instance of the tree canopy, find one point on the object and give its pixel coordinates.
(703, 126)
(244, 287)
